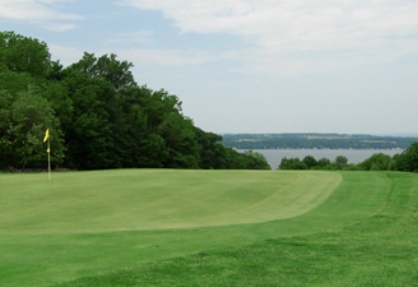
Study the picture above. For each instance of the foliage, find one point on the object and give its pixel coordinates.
(99, 117)
(24, 123)
(23, 55)
(323, 163)
(310, 161)
(408, 160)
(255, 160)
(340, 162)
(292, 163)
(377, 161)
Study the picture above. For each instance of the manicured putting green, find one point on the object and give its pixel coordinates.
(116, 200)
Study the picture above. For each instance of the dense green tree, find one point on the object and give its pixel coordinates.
(393, 164)
(310, 161)
(96, 134)
(137, 142)
(212, 152)
(106, 67)
(25, 111)
(255, 160)
(165, 121)
(408, 159)
(378, 161)
(25, 123)
(89, 132)
(340, 162)
(324, 163)
(234, 159)
(23, 54)
(292, 164)
(6, 150)
(15, 82)
(180, 141)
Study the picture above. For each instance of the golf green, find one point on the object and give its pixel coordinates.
(156, 199)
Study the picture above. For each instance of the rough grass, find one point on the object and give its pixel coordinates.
(42, 252)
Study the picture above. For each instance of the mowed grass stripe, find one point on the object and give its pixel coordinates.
(156, 199)
(41, 259)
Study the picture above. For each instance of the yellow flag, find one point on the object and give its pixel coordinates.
(46, 135)
(48, 150)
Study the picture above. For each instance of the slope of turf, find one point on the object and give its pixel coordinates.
(84, 224)
(381, 250)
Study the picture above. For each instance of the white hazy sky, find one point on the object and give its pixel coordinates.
(265, 66)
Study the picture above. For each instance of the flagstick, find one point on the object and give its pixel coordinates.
(49, 162)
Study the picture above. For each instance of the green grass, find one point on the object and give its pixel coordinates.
(127, 228)
(118, 200)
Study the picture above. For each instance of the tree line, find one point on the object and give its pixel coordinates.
(98, 116)
(405, 161)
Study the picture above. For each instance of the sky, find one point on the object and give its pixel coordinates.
(244, 66)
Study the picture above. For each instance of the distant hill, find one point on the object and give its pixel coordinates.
(405, 135)
(316, 140)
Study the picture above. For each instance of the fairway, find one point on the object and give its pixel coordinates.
(83, 224)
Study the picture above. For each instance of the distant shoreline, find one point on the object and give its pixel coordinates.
(316, 141)
(397, 148)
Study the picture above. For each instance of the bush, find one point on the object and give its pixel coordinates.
(292, 163)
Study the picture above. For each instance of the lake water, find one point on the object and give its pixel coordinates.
(274, 156)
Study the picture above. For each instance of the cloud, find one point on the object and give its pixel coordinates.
(145, 37)
(165, 57)
(44, 13)
(56, 27)
(290, 31)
